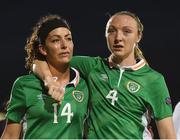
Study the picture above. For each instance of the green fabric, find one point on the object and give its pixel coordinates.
(29, 99)
(127, 117)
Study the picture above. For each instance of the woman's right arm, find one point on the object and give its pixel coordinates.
(11, 131)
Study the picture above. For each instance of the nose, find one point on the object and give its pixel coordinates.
(63, 44)
(118, 37)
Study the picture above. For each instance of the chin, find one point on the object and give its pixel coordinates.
(65, 61)
(118, 54)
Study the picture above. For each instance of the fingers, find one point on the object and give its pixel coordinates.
(57, 93)
(51, 82)
(55, 90)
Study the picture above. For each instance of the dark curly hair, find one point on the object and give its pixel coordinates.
(37, 38)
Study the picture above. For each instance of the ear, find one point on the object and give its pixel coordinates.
(42, 50)
(139, 38)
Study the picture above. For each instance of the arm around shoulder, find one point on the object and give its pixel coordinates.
(41, 69)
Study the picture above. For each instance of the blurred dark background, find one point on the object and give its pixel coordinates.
(161, 20)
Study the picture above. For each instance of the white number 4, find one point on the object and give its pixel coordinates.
(113, 96)
(66, 111)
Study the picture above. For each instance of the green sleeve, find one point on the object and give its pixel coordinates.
(160, 99)
(16, 107)
(84, 64)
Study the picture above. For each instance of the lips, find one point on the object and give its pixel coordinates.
(64, 54)
(117, 46)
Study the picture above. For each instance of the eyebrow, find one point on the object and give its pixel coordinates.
(66, 35)
(126, 27)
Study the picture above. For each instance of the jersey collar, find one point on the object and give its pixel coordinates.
(74, 74)
(140, 63)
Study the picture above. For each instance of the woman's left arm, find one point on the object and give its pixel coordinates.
(166, 128)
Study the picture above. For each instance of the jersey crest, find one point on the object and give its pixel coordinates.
(78, 95)
(133, 87)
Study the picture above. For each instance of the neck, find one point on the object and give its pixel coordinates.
(62, 73)
(126, 61)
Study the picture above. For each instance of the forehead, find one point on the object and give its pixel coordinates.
(122, 20)
(61, 31)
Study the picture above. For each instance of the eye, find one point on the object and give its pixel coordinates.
(111, 30)
(55, 40)
(127, 31)
(69, 38)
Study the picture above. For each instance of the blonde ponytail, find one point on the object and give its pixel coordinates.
(139, 54)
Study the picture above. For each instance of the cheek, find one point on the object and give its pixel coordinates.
(131, 42)
(71, 48)
(53, 48)
(56, 47)
(110, 40)
(131, 46)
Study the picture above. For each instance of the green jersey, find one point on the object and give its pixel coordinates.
(123, 98)
(44, 117)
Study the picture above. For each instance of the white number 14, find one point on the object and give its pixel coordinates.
(66, 111)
